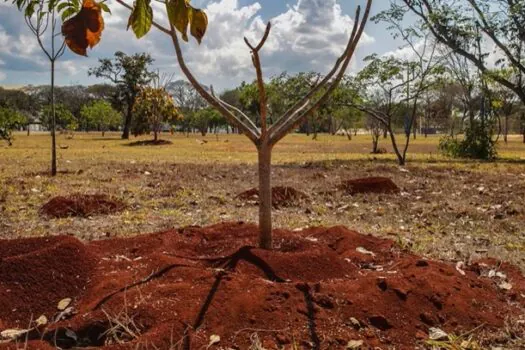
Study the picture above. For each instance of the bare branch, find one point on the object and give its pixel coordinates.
(205, 94)
(263, 108)
(283, 128)
(354, 40)
(326, 79)
(263, 40)
(251, 134)
(243, 115)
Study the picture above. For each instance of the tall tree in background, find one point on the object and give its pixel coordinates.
(456, 23)
(10, 120)
(130, 74)
(393, 88)
(101, 115)
(154, 108)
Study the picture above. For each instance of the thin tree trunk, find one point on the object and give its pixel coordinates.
(506, 128)
(375, 142)
(400, 158)
(265, 195)
(523, 125)
(127, 121)
(53, 123)
(155, 135)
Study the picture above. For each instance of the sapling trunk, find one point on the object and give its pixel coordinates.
(264, 151)
(53, 123)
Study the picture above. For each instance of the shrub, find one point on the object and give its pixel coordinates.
(477, 144)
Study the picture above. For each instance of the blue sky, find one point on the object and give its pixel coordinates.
(307, 35)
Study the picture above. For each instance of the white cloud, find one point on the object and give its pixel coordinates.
(309, 35)
(3, 76)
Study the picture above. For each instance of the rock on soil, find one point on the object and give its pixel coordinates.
(370, 185)
(81, 205)
(282, 196)
(191, 285)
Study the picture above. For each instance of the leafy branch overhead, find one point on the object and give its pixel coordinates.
(84, 29)
(83, 22)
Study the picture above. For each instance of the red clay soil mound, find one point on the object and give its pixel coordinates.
(370, 185)
(282, 196)
(318, 289)
(83, 205)
(36, 273)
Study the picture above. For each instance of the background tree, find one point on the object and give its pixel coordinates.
(41, 18)
(63, 120)
(153, 109)
(206, 118)
(101, 115)
(129, 74)
(10, 120)
(392, 89)
(22, 102)
(402, 81)
(456, 23)
(188, 102)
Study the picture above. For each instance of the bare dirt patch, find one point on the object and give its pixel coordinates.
(282, 196)
(370, 185)
(319, 288)
(82, 205)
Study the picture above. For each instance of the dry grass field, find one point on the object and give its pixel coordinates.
(457, 211)
(450, 209)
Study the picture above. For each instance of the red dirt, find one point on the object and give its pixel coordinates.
(370, 185)
(81, 205)
(206, 281)
(281, 196)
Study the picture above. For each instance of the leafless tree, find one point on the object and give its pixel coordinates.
(265, 137)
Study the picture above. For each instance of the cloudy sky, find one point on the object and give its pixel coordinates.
(307, 35)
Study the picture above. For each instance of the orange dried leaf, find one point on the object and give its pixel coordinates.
(85, 28)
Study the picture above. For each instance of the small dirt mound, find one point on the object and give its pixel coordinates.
(150, 143)
(36, 273)
(82, 205)
(318, 289)
(370, 185)
(282, 196)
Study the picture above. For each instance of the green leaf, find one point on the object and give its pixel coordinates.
(199, 23)
(62, 6)
(179, 13)
(141, 18)
(51, 5)
(104, 7)
(30, 9)
(68, 13)
(20, 4)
